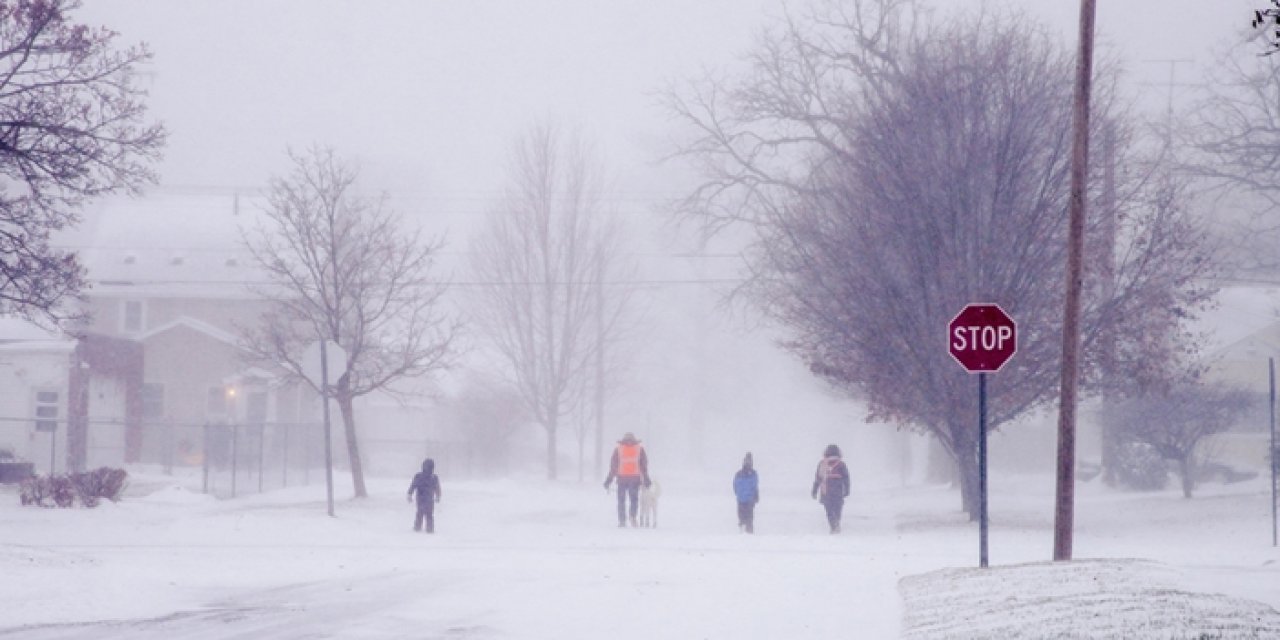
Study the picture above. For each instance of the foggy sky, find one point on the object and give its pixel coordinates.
(427, 97)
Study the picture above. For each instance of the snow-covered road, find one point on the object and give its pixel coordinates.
(542, 560)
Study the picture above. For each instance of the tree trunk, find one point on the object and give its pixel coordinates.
(582, 455)
(353, 446)
(968, 468)
(551, 449)
(965, 452)
(1188, 479)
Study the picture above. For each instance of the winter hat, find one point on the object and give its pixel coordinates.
(832, 450)
(428, 465)
(628, 438)
(747, 461)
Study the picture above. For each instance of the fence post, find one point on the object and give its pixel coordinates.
(204, 461)
(235, 454)
(284, 446)
(262, 447)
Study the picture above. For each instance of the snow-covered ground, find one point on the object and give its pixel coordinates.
(533, 559)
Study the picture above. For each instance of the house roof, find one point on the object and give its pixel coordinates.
(197, 325)
(1246, 316)
(17, 334)
(168, 244)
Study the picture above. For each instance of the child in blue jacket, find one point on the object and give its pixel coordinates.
(746, 488)
(427, 487)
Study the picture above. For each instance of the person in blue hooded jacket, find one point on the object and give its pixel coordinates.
(746, 488)
(427, 487)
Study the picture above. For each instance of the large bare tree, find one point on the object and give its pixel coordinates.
(547, 263)
(72, 127)
(345, 268)
(893, 170)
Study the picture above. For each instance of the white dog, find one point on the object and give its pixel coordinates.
(649, 504)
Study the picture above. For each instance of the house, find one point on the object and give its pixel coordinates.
(35, 372)
(170, 285)
(164, 373)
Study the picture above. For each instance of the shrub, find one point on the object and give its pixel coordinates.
(1140, 467)
(63, 490)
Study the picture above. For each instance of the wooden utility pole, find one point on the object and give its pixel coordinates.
(1064, 511)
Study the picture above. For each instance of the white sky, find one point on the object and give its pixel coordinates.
(428, 94)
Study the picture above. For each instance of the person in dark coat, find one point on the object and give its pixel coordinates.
(630, 465)
(427, 487)
(831, 485)
(746, 488)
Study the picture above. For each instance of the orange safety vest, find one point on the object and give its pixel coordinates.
(628, 459)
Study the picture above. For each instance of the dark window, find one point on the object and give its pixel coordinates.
(152, 401)
(132, 321)
(46, 411)
(217, 401)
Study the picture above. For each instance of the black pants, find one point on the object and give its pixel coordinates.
(628, 486)
(426, 511)
(747, 515)
(834, 505)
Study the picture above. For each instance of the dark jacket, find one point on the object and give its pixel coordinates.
(426, 484)
(831, 478)
(746, 485)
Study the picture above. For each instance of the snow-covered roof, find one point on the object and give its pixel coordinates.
(1244, 313)
(193, 323)
(169, 244)
(17, 334)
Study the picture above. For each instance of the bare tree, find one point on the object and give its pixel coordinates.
(1268, 22)
(345, 269)
(1174, 420)
(487, 413)
(71, 128)
(547, 262)
(1230, 142)
(894, 170)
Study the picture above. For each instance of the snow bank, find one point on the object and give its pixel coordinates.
(1123, 598)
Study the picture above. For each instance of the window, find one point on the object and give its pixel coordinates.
(217, 401)
(152, 401)
(46, 411)
(131, 320)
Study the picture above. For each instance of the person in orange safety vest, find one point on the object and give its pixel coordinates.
(630, 465)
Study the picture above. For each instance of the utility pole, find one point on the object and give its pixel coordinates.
(600, 371)
(1064, 512)
(1110, 437)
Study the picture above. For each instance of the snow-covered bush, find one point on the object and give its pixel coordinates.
(1140, 467)
(63, 490)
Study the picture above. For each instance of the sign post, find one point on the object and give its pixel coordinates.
(982, 338)
(316, 366)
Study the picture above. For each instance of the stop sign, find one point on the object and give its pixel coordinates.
(982, 337)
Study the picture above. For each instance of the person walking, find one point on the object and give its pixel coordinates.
(427, 487)
(630, 465)
(746, 488)
(831, 485)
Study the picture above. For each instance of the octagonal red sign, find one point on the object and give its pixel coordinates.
(982, 337)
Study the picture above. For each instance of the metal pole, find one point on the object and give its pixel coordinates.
(1271, 368)
(599, 462)
(53, 449)
(235, 451)
(262, 447)
(204, 462)
(982, 469)
(328, 445)
(285, 457)
(1064, 511)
